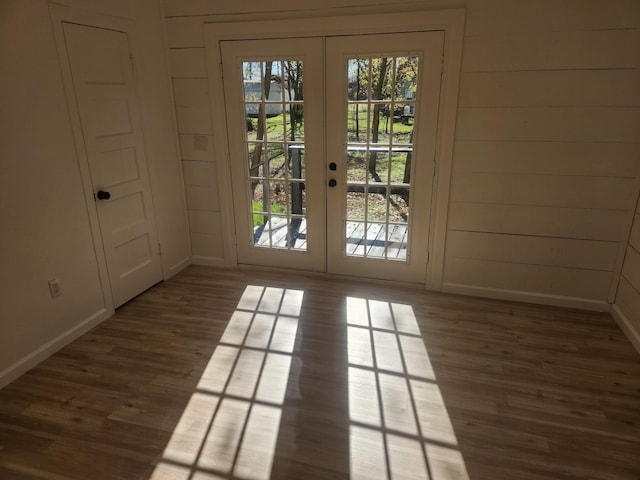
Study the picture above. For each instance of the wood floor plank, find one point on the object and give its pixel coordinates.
(234, 374)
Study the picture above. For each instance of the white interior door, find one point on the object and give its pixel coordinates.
(103, 82)
(371, 103)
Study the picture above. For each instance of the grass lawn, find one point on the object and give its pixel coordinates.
(390, 168)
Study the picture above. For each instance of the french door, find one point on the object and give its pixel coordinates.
(332, 147)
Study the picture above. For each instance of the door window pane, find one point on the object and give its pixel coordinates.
(274, 117)
(381, 103)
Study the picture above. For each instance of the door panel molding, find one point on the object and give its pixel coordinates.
(451, 22)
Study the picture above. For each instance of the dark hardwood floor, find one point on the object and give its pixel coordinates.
(237, 374)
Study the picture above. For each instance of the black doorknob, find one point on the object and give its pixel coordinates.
(332, 182)
(103, 195)
(332, 166)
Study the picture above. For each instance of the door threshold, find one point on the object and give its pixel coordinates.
(327, 275)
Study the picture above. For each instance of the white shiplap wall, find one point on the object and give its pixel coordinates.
(546, 141)
(546, 150)
(191, 93)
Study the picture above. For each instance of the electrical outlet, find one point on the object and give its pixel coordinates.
(55, 288)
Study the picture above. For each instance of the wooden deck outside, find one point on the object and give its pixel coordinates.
(373, 244)
(294, 237)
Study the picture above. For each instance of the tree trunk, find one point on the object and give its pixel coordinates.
(407, 171)
(407, 165)
(358, 92)
(294, 155)
(257, 152)
(375, 122)
(294, 84)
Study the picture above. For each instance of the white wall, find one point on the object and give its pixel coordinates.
(45, 228)
(546, 143)
(191, 92)
(45, 221)
(546, 150)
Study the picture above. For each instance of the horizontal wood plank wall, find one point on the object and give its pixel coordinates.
(191, 94)
(546, 150)
(546, 142)
(184, 26)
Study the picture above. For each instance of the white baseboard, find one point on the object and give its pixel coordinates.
(627, 327)
(178, 267)
(29, 361)
(527, 297)
(209, 261)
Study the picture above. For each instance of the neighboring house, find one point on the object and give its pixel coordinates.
(253, 91)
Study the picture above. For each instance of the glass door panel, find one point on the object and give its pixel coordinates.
(267, 114)
(381, 88)
(274, 117)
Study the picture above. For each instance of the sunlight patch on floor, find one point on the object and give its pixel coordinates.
(229, 428)
(400, 427)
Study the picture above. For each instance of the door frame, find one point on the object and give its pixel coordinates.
(63, 14)
(451, 22)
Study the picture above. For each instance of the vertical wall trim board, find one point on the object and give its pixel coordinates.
(172, 270)
(624, 245)
(626, 326)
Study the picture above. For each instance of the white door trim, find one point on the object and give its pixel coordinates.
(451, 22)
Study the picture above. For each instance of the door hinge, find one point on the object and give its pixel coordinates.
(133, 65)
(428, 257)
(159, 250)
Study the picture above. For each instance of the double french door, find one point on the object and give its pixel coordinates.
(332, 147)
